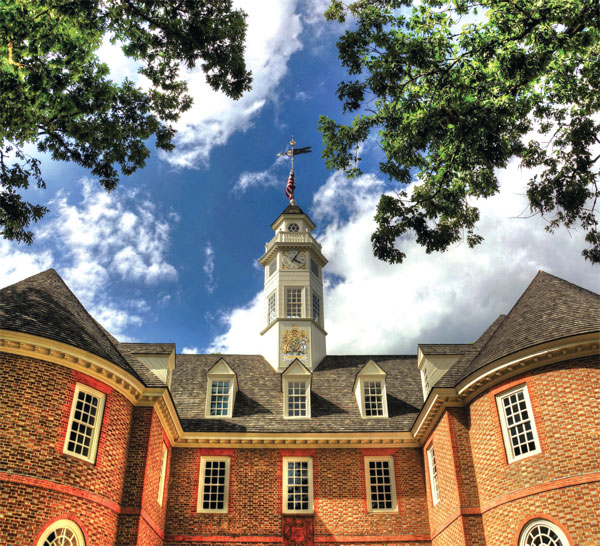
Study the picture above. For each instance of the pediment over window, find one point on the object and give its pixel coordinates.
(221, 388)
(369, 389)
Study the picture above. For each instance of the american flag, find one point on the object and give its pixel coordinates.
(291, 186)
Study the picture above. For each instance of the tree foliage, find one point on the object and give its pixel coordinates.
(55, 92)
(455, 88)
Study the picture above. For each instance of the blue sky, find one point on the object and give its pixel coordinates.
(171, 255)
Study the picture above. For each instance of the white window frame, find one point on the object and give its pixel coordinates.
(539, 521)
(63, 524)
(209, 395)
(390, 460)
(508, 446)
(288, 289)
(272, 267)
(316, 297)
(286, 406)
(284, 495)
(433, 477)
(272, 297)
(95, 439)
(201, 485)
(163, 473)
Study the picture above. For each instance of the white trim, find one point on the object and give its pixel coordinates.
(209, 395)
(63, 524)
(538, 522)
(284, 495)
(96, 428)
(368, 484)
(433, 477)
(360, 396)
(201, 485)
(163, 473)
(508, 446)
(287, 302)
(286, 408)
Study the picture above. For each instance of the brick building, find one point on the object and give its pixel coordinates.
(492, 443)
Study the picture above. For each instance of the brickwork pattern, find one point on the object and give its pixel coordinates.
(27, 511)
(565, 403)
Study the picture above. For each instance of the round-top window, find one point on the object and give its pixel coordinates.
(540, 532)
(62, 533)
(293, 227)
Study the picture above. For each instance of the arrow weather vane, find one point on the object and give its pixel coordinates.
(293, 152)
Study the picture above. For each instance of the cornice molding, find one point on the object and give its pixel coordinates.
(438, 400)
(74, 358)
(497, 371)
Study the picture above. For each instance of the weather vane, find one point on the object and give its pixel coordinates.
(293, 152)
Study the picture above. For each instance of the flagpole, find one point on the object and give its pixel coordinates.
(292, 144)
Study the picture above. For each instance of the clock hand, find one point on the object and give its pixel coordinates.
(294, 258)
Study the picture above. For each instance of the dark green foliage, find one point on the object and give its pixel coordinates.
(452, 101)
(56, 93)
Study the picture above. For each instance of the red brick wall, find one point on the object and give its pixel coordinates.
(255, 496)
(566, 405)
(35, 404)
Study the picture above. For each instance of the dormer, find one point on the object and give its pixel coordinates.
(221, 388)
(434, 361)
(159, 358)
(296, 381)
(369, 389)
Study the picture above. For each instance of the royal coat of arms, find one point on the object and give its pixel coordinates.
(295, 344)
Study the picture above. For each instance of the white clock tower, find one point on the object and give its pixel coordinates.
(294, 315)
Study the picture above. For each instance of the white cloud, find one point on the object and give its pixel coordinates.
(104, 239)
(209, 268)
(18, 262)
(272, 38)
(377, 308)
(190, 351)
(302, 96)
(269, 177)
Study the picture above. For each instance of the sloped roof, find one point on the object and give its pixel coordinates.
(44, 306)
(259, 401)
(149, 348)
(549, 309)
(445, 348)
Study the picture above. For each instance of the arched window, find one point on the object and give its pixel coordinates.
(540, 532)
(62, 533)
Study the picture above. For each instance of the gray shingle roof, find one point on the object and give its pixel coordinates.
(259, 402)
(549, 309)
(445, 348)
(44, 306)
(149, 348)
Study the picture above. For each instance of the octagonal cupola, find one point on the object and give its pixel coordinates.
(294, 316)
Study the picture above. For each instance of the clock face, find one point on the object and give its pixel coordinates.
(294, 259)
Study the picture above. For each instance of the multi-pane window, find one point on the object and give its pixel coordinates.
(381, 484)
(294, 302)
(518, 426)
(316, 308)
(163, 474)
(435, 491)
(297, 394)
(213, 493)
(314, 267)
(84, 423)
(272, 308)
(297, 485)
(62, 533)
(542, 533)
(272, 266)
(219, 397)
(373, 398)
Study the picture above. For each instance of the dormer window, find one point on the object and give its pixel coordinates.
(221, 382)
(295, 383)
(369, 388)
